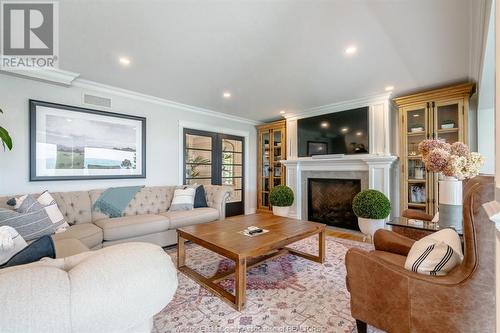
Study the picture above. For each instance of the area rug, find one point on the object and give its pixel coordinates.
(285, 294)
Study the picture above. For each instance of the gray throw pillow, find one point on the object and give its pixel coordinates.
(32, 223)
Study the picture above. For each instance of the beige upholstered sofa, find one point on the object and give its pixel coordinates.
(115, 289)
(146, 219)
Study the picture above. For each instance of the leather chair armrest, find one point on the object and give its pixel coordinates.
(417, 215)
(385, 240)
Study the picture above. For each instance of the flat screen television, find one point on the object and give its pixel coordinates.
(344, 132)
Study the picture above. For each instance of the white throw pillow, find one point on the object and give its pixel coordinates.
(55, 215)
(10, 243)
(436, 254)
(183, 199)
(49, 203)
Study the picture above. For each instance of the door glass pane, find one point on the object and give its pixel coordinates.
(447, 122)
(198, 159)
(232, 145)
(235, 196)
(277, 140)
(265, 151)
(232, 158)
(417, 195)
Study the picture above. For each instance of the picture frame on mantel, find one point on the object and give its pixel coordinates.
(74, 143)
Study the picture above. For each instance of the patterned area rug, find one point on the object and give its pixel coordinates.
(285, 294)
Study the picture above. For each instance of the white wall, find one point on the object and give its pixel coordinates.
(163, 124)
(486, 103)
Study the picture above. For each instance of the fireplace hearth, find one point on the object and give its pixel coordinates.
(330, 201)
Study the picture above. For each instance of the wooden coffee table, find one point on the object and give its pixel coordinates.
(223, 237)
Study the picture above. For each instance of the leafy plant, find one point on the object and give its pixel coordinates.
(281, 196)
(371, 204)
(5, 137)
(192, 168)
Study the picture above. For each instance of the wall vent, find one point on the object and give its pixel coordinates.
(90, 99)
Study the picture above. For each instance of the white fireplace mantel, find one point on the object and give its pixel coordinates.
(378, 168)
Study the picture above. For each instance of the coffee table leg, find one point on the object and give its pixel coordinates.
(322, 246)
(240, 283)
(181, 251)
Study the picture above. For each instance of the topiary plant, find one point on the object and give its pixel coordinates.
(281, 196)
(371, 204)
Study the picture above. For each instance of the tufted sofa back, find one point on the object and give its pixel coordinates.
(149, 200)
(77, 206)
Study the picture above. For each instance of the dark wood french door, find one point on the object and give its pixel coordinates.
(216, 159)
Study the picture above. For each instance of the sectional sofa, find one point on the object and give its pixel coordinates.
(146, 219)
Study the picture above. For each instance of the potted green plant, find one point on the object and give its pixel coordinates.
(281, 198)
(5, 137)
(372, 208)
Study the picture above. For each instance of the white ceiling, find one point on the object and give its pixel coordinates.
(271, 55)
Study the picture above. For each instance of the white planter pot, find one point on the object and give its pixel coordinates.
(450, 203)
(369, 226)
(281, 211)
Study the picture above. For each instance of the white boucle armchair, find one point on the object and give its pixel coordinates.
(115, 289)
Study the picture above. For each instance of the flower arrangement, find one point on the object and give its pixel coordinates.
(455, 160)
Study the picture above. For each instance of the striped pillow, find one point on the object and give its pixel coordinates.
(436, 254)
(50, 205)
(31, 221)
(183, 199)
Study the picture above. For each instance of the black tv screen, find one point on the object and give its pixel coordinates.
(344, 132)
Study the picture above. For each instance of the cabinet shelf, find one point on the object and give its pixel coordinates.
(416, 181)
(416, 133)
(447, 130)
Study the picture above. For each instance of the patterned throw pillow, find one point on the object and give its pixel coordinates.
(32, 223)
(436, 254)
(183, 199)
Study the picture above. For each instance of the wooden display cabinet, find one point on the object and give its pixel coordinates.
(271, 150)
(436, 114)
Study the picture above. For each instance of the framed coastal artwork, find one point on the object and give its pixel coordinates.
(73, 143)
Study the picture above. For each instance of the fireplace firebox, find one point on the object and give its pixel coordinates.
(330, 201)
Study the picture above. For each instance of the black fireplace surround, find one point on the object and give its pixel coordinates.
(329, 201)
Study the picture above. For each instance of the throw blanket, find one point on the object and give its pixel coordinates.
(114, 200)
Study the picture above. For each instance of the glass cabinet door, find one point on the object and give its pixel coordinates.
(198, 159)
(265, 168)
(448, 120)
(417, 129)
(277, 153)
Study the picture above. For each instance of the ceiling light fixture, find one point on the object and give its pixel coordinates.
(350, 50)
(226, 95)
(125, 61)
(344, 129)
(324, 124)
(389, 88)
(282, 112)
(359, 133)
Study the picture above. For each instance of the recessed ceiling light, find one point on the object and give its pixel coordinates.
(351, 49)
(359, 133)
(389, 88)
(226, 94)
(344, 129)
(324, 124)
(282, 112)
(124, 61)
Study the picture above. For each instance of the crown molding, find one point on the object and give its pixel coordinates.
(54, 76)
(340, 106)
(71, 79)
(106, 89)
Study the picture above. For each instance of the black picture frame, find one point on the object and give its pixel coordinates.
(317, 148)
(33, 104)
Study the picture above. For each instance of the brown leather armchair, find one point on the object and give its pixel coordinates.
(385, 295)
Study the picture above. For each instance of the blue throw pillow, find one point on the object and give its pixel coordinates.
(200, 198)
(41, 248)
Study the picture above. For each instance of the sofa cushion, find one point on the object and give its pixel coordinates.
(183, 218)
(132, 226)
(89, 234)
(69, 247)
